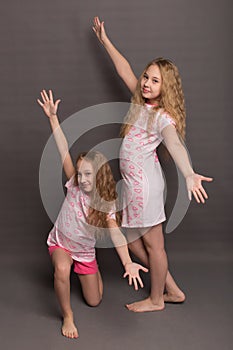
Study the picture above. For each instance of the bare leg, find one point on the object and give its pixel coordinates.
(173, 293)
(92, 288)
(62, 264)
(137, 247)
(153, 241)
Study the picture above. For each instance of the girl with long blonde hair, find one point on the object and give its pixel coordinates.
(157, 114)
(89, 206)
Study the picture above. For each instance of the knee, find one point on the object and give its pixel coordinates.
(61, 272)
(93, 303)
(154, 248)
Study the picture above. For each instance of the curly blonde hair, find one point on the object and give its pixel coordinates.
(171, 98)
(104, 190)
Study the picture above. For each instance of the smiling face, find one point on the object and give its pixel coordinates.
(151, 83)
(85, 175)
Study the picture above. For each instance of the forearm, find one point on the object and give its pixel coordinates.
(123, 254)
(177, 150)
(180, 157)
(59, 137)
(121, 64)
(120, 243)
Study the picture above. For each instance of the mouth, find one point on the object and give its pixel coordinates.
(85, 186)
(145, 91)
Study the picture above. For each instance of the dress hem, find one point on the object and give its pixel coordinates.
(147, 225)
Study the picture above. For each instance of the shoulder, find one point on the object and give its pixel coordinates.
(166, 117)
(70, 184)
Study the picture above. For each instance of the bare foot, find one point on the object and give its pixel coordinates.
(145, 305)
(174, 298)
(68, 328)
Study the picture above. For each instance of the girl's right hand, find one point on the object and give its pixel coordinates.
(49, 107)
(132, 271)
(99, 30)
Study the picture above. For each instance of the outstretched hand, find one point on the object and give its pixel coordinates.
(49, 107)
(194, 186)
(132, 271)
(99, 30)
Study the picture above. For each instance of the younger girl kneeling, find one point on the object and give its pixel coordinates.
(87, 207)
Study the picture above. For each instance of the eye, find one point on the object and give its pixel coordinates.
(155, 81)
(145, 76)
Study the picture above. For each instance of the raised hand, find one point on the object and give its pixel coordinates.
(49, 107)
(194, 186)
(132, 271)
(99, 30)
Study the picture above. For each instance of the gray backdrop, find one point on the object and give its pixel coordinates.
(50, 44)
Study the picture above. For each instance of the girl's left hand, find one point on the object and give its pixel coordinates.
(132, 270)
(194, 186)
(49, 107)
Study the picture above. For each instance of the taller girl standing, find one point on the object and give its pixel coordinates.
(157, 113)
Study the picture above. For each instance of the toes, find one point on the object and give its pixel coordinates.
(131, 307)
(69, 330)
(67, 334)
(75, 334)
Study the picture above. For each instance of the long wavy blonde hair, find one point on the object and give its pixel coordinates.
(171, 98)
(104, 190)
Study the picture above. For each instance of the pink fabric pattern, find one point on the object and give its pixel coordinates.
(143, 203)
(70, 230)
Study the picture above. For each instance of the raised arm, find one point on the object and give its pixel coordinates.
(122, 66)
(180, 156)
(120, 243)
(50, 109)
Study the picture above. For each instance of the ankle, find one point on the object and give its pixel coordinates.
(157, 300)
(177, 293)
(68, 314)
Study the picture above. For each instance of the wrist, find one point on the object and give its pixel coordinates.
(189, 174)
(54, 122)
(53, 115)
(106, 42)
(53, 118)
(127, 262)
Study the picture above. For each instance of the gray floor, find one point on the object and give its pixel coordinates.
(30, 316)
(48, 44)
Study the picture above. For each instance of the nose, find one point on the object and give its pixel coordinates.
(82, 179)
(146, 83)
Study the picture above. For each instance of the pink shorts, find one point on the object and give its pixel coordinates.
(80, 267)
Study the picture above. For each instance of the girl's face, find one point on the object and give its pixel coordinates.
(85, 173)
(151, 84)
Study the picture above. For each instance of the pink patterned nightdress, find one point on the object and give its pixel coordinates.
(70, 230)
(143, 202)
